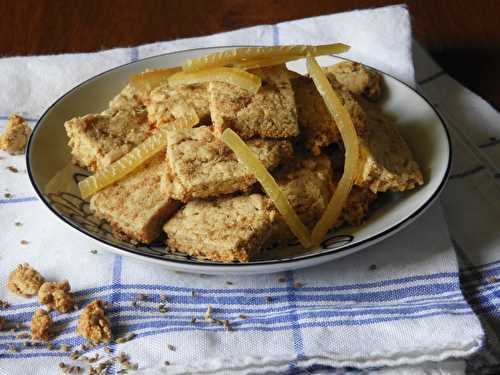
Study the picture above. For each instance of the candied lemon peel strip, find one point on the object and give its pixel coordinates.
(351, 145)
(252, 162)
(234, 76)
(131, 161)
(246, 57)
(153, 78)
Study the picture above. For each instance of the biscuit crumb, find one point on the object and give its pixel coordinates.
(56, 296)
(15, 136)
(24, 281)
(41, 324)
(93, 324)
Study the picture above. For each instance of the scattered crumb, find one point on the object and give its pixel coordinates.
(171, 347)
(93, 252)
(297, 285)
(492, 280)
(93, 324)
(127, 337)
(56, 296)
(24, 281)
(23, 335)
(373, 267)
(24, 242)
(41, 324)
(12, 169)
(15, 136)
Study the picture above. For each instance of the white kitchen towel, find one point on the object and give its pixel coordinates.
(405, 315)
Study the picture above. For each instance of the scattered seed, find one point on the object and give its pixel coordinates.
(298, 285)
(27, 343)
(93, 252)
(76, 307)
(23, 335)
(282, 280)
(193, 294)
(229, 282)
(141, 297)
(18, 224)
(373, 267)
(130, 336)
(65, 348)
(75, 355)
(7, 195)
(269, 299)
(121, 340)
(243, 316)
(208, 314)
(133, 303)
(166, 363)
(13, 349)
(4, 304)
(193, 320)
(171, 347)
(107, 349)
(162, 308)
(62, 365)
(226, 325)
(51, 346)
(492, 280)
(163, 297)
(24, 242)
(12, 169)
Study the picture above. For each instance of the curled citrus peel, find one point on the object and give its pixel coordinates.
(151, 79)
(253, 57)
(351, 145)
(238, 77)
(252, 162)
(129, 162)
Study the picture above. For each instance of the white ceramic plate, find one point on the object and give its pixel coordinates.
(55, 179)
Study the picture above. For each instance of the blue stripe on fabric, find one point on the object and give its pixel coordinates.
(233, 313)
(134, 54)
(298, 342)
(18, 200)
(187, 326)
(115, 296)
(276, 35)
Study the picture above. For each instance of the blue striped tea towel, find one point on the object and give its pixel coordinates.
(396, 307)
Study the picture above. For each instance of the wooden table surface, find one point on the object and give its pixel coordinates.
(463, 36)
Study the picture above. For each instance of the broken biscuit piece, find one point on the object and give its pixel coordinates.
(270, 113)
(93, 324)
(56, 296)
(228, 229)
(24, 281)
(357, 79)
(41, 324)
(317, 126)
(386, 162)
(201, 166)
(15, 136)
(162, 101)
(138, 205)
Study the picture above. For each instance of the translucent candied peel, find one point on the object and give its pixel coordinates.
(238, 77)
(246, 56)
(151, 79)
(351, 145)
(131, 161)
(252, 162)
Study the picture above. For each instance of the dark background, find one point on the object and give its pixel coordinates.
(463, 36)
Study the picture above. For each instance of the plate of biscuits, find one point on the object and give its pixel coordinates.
(240, 159)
